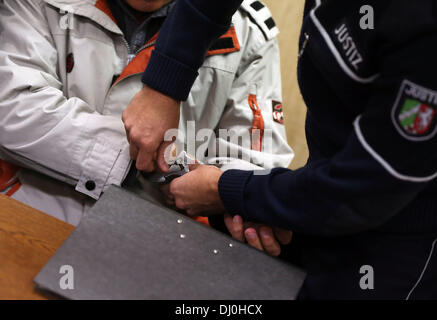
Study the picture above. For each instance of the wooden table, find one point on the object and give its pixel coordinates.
(28, 239)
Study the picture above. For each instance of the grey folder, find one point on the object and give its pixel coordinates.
(128, 248)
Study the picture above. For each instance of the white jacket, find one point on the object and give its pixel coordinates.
(60, 115)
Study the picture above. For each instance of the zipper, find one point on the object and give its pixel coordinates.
(131, 54)
(147, 45)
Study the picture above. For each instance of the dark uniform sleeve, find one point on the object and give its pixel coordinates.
(390, 156)
(184, 39)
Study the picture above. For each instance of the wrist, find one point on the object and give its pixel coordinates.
(214, 187)
(232, 185)
(169, 76)
(148, 91)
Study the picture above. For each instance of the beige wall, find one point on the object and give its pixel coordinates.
(288, 16)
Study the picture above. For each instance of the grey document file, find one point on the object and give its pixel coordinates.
(129, 248)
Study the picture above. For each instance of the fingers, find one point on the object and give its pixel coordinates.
(143, 156)
(235, 227)
(194, 166)
(262, 238)
(145, 161)
(284, 236)
(165, 155)
(169, 199)
(176, 190)
(196, 192)
(142, 148)
(269, 243)
(170, 202)
(165, 189)
(147, 118)
(133, 152)
(253, 239)
(229, 224)
(238, 228)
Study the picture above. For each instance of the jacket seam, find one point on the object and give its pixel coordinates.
(385, 163)
(423, 271)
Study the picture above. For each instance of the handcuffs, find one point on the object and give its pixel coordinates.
(178, 167)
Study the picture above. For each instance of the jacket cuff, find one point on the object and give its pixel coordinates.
(231, 189)
(169, 76)
(99, 172)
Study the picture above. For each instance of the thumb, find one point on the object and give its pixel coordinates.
(194, 166)
(164, 155)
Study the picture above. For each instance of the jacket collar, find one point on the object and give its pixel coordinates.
(99, 11)
(160, 13)
(96, 10)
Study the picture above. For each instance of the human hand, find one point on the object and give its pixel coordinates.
(197, 191)
(146, 120)
(168, 197)
(259, 236)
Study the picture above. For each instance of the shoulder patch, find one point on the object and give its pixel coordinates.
(278, 113)
(262, 16)
(227, 43)
(414, 113)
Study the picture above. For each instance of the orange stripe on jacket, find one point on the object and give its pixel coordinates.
(8, 178)
(141, 60)
(103, 6)
(231, 34)
(257, 130)
(14, 189)
(203, 220)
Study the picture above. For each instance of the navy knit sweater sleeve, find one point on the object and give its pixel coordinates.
(184, 39)
(373, 159)
(347, 194)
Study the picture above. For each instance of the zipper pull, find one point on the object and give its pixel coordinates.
(130, 57)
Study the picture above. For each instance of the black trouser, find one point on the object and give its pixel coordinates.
(404, 266)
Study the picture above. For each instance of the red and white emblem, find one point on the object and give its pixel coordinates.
(278, 113)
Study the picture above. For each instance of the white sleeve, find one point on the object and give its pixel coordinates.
(39, 127)
(259, 76)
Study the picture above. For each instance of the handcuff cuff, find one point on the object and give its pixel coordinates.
(178, 167)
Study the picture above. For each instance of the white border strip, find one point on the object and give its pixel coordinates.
(423, 271)
(394, 112)
(384, 163)
(261, 17)
(334, 50)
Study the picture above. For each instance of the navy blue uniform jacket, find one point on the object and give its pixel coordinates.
(371, 125)
(371, 129)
